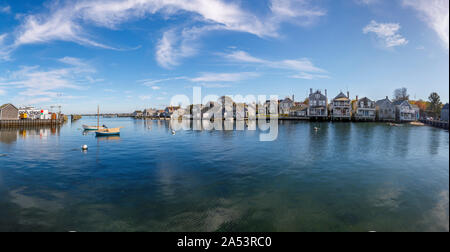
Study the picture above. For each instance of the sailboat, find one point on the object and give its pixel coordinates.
(98, 127)
(104, 131)
(108, 132)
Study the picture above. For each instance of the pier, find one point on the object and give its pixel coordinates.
(436, 123)
(29, 123)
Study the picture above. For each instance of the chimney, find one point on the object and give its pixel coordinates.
(310, 91)
(387, 97)
(348, 94)
(326, 94)
(293, 98)
(357, 98)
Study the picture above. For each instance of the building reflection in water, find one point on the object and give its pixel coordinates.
(10, 135)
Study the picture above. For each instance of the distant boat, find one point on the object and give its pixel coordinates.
(108, 132)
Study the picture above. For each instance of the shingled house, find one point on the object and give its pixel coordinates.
(318, 105)
(341, 107)
(385, 110)
(364, 109)
(9, 112)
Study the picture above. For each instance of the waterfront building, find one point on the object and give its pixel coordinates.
(404, 112)
(341, 107)
(417, 110)
(138, 113)
(241, 111)
(364, 109)
(385, 110)
(284, 106)
(318, 105)
(444, 113)
(149, 112)
(228, 107)
(9, 112)
(168, 111)
(299, 110)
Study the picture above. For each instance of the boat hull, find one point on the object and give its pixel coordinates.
(107, 133)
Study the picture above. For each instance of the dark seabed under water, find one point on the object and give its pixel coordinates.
(344, 177)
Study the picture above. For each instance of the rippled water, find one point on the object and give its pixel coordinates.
(344, 177)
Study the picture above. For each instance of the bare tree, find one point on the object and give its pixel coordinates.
(401, 94)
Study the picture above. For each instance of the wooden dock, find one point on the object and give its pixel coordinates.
(435, 123)
(29, 123)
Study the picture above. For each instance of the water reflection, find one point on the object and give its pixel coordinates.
(434, 140)
(10, 135)
(314, 177)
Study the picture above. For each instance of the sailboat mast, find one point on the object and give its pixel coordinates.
(98, 117)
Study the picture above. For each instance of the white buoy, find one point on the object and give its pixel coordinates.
(84, 147)
(173, 132)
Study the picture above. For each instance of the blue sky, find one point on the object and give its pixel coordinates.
(134, 54)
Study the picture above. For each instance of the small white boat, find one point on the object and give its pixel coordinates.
(87, 127)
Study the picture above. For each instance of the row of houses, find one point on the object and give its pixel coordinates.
(341, 108)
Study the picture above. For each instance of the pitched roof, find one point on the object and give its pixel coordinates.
(396, 103)
(5, 105)
(365, 99)
(386, 100)
(340, 96)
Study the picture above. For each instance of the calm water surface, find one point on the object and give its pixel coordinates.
(345, 177)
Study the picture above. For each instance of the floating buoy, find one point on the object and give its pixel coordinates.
(173, 132)
(316, 129)
(84, 147)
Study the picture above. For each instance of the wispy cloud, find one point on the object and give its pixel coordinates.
(32, 81)
(303, 68)
(366, 2)
(224, 77)
(436, 14)
(300, 12)
(67, 21)
(5, 9)
(387, 33)
(152, 82)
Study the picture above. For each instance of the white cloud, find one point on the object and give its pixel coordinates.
(366, 2)
(152, 82)
(387, 33)
(32, 81)
(2, 92)
(224, 77)
(145, 97)
(5, 9)
(66, 21)
(436, 14)
(299, 12)
(156, 88)
(214, 85)
(4, 50)
(172, 47)
(304, 67)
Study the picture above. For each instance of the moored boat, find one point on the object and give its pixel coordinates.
(87, 127)
(108, 132)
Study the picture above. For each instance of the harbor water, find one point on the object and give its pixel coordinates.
(313, 177)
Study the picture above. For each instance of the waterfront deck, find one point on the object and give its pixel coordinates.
(29, 123)
(435, 123)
